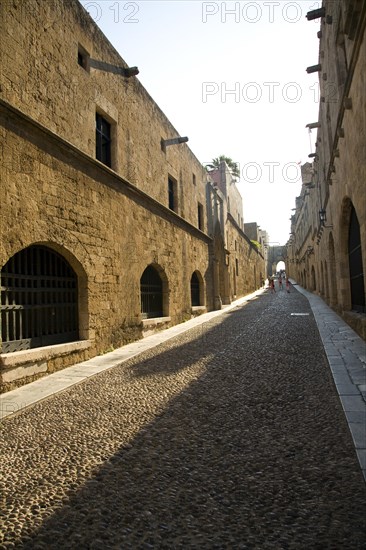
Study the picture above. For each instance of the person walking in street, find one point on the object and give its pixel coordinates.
(272, 285)
(280, 282)
(287, 285)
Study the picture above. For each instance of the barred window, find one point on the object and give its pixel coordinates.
(103, 140)
(151, 293)
(39, 300)
(195, 290)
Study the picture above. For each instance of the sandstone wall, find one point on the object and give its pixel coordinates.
(41, 76)
(108, 231)
(319, 255)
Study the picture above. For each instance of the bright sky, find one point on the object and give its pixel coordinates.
(232, 77)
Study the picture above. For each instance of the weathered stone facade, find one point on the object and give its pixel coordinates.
(150, 208)
(328, 256)
(243, 264)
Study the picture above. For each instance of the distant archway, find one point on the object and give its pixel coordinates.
(281, 266)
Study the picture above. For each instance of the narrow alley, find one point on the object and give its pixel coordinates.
(229, 435)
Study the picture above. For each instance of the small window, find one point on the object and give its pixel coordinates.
(237, 267)
(200, 216)
(83, 58)
(194, 179)
(103, 140)
(172, 194)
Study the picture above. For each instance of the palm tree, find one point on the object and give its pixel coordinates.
(215, 164)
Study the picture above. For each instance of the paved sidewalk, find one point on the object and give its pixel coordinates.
(345, 350)
(346, 354)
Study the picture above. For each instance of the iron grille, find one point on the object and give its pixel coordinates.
(39, 301)
(103, 140)
(355, 264)
(195, 290)
(151, 294)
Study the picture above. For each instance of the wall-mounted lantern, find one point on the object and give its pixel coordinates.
(323, 218)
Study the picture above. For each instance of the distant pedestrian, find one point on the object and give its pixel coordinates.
(280, 282)
(272, 285)
(287, 285)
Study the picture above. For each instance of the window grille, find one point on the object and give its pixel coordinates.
(103, 140)
(39, 300)
(195, 290)
(171, 194)
(151, 294)
(200, 216)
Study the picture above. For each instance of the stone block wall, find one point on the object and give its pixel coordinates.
(109, 224)
(41, 77)
(106, 229)
(319, 253)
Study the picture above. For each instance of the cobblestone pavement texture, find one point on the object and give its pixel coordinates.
(228, 436)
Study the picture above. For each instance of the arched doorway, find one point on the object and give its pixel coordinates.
(355, 264)
(326, 283)
(39, 300)
(196, 289)
(313, 278)
(151, 287)
(321, 279)
(332, 272)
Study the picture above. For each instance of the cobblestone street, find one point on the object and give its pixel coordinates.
(231, 435)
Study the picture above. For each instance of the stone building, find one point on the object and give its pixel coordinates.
(327, 248)
(261, 237)
(108, 226)
(244, 262)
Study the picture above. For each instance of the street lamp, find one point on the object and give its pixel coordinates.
(323, 218)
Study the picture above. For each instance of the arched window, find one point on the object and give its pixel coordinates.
(195, 290)
(39, 300)
(151, 293)
(355, 264)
